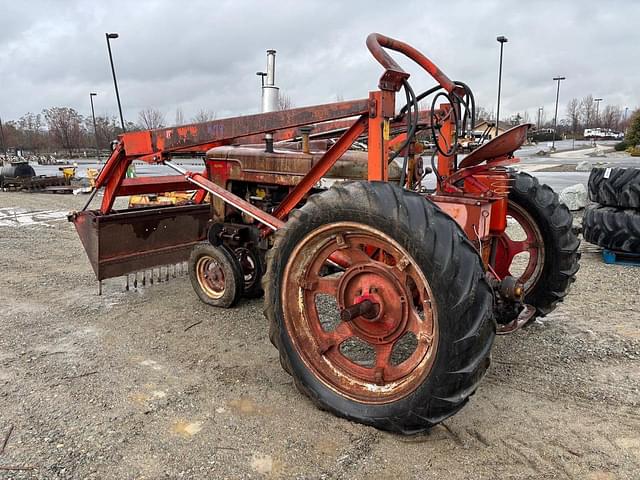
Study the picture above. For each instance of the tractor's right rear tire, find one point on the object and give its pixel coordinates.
(426, 279)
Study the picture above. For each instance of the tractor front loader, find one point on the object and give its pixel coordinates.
(383, 297)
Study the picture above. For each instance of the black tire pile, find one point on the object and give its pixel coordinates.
(613, 221)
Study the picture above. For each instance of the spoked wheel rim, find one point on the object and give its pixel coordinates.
(508, 248)
(249, 264)
(210, 276)
(382, 296)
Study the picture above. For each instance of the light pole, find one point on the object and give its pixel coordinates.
(4, 145)
(95, 129)
(110, 36)
(597, 100)
(555, 117)
(502, 40)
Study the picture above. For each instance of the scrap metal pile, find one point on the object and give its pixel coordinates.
(21, 176)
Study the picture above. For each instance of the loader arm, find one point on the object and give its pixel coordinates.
(157, 146)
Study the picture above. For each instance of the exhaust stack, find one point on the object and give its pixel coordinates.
(270, 94)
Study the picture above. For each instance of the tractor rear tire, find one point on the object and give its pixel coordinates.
(615, 229)
(437, 261)
(216, 275)
(536, 208)
(615, 187)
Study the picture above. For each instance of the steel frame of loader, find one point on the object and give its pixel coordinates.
(474, 193)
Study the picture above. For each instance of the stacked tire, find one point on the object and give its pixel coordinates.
(613, 220)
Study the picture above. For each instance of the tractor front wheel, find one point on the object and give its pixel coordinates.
(216, 275)
(539, 247)
(399, 336)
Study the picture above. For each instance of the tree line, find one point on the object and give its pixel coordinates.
(64, 129)
(579, 115)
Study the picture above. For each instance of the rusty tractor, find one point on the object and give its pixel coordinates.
(383, 297)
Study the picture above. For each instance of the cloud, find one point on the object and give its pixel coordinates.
(201, 54)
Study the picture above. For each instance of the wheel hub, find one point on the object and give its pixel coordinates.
(508, 248)
(384, 314)
(210, 276)
(384, 339)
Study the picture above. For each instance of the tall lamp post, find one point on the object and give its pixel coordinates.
(597, 100)
(555, 117)
(4, 145)
(502, 40)
(95, 129)
(111, 36)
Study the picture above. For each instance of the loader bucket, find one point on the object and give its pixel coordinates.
(137, 239)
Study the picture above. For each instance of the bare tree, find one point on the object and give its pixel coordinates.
(481, 114)
(587, 111)
(107, 129)
(11, 136)
(204, 115)
(611, 116)
(30, 126)
(151, 118)
(179, 117)
(573, 114)
(65, 126)
(284, 102)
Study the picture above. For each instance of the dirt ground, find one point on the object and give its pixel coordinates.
(119, 387)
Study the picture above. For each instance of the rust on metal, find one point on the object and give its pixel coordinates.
(378, 303)
(144, 185)
(472, 214)
(185, 137)
(134, 240)
(394, 74)
(500, 146)
(321, 168)
(228, 197)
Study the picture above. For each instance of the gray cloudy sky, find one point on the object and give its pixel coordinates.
(204, 54)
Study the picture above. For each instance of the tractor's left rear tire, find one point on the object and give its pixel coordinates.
(401, 336)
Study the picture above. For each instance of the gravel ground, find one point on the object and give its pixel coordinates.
(119, 387)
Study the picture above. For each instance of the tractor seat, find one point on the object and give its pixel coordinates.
(500, 146)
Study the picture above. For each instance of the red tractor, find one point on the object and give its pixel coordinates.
(383, 297)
